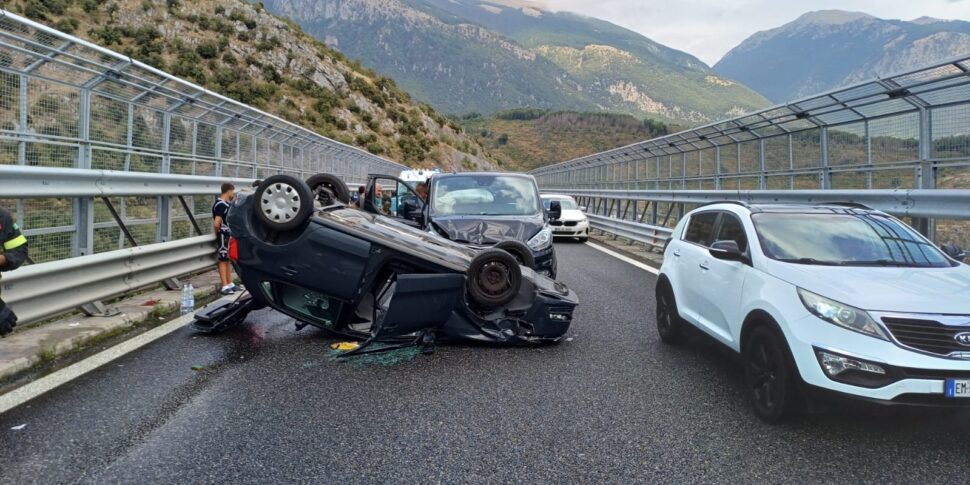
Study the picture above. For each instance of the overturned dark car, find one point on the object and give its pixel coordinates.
(302, 250)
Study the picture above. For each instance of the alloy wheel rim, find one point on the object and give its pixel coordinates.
(280, 202)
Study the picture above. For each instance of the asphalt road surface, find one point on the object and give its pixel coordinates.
(611, 405)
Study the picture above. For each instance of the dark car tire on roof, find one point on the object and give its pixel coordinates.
(283, 203)
(520, 251)
(494, 278)
(334, 187)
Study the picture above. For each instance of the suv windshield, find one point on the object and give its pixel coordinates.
(844, 240)
(486, 195)
(566, 204)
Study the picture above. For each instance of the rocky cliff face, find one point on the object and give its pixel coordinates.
(466, 56)
(827, 49)
(242, 51)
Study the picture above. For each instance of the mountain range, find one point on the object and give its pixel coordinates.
(827, 49)
(466, 56)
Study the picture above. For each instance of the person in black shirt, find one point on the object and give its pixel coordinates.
(13, 253)
(220, 210)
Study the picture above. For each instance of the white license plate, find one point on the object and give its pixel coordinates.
(562, 229)
(957, 388)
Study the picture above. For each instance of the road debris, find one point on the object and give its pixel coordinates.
(19, 427)
(345, 346)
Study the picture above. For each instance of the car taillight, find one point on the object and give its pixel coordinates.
(233, 249)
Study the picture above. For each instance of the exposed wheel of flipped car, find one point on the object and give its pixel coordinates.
(284, 202)
(494, 278)
(330, 186)
(520, 251)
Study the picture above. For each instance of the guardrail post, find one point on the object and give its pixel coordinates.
(868, 154)
(84, 206)
(762, 178)
(218, 151)
(926, 172)
(825, 176)
(717, 167)
(22, 121)
(791, 163)
(164, 231)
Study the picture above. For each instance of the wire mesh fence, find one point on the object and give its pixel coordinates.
(67, 103)
(907, 131)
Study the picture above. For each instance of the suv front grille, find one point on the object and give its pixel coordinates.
(927, 335)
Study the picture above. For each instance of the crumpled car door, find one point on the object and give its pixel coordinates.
(415, 302)
(412, 304)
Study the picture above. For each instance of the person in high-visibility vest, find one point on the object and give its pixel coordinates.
(13, 253)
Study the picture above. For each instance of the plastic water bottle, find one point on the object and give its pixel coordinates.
(191, 298)
(187, 302)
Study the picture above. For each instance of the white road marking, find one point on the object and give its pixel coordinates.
(645, 267)
(27, 392)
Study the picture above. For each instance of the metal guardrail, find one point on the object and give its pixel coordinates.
(943, 204)
(653, 236)
(44, 182)
(111, 166)
(890, 143)
(43, 290)
(69, 104)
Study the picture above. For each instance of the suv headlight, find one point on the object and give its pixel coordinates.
(542, 240)
(841, 314)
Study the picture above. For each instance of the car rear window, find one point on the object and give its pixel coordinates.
(700, 228)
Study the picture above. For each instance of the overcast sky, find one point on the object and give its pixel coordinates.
(710, 28)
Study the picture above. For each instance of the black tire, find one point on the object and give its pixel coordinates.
(770, 375)
(494, 278)
(330, 186)
(584, 239)
(520, 251)
(283, 203)
(672, 328)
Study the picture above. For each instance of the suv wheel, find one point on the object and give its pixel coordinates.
(769, 375)
(283, 203)
(670, 326)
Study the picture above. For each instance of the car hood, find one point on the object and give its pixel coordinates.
(911, 290)
(487, 230)
(572, 215)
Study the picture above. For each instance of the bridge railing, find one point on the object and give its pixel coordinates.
(112, 166)
(67, 103)
(905, 132)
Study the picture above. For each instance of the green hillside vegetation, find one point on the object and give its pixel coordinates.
(241, 51)
(230, 47)
(527, 138)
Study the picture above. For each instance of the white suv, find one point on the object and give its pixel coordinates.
(831, 298)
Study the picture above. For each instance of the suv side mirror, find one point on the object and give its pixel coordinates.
(555, 210)
(582, 208)
(727, 251)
